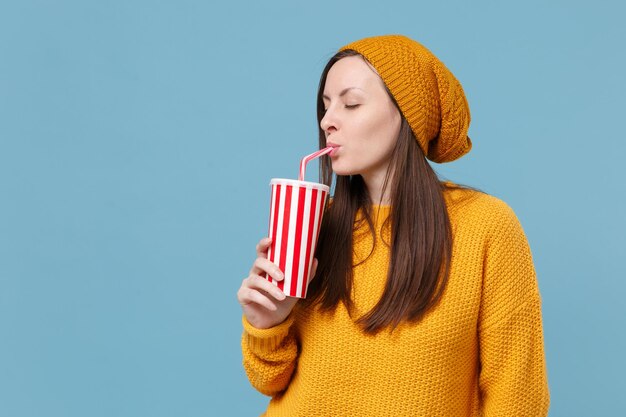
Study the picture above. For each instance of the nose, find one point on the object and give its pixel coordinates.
(328, 122)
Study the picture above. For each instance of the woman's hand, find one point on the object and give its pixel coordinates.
(263, 303)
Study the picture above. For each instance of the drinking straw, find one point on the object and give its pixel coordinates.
(308, 158)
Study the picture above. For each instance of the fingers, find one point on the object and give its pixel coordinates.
(263, 265)
(256, 289)
(262, 247)
(259, 283)
(249, 296)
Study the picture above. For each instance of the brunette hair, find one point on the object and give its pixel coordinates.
(421, 237)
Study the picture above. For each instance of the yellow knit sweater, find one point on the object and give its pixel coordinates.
(478, 353)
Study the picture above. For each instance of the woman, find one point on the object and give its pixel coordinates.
(425, 301)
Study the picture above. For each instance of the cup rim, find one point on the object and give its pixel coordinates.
(307, 184)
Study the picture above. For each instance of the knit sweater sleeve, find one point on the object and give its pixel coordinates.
(513, 378)
(269, 355)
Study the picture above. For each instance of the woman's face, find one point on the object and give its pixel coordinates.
(361, 121)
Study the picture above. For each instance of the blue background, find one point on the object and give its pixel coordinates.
(137, 141)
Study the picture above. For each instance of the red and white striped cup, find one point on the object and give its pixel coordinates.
(296, 212)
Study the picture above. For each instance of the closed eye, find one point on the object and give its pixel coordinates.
(351, 106)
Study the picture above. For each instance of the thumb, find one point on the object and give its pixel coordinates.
(313, 270)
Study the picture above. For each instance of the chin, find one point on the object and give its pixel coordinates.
(339, 170)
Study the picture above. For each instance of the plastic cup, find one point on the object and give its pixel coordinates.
(296, 212)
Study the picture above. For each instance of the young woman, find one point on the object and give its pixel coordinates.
(424, 300)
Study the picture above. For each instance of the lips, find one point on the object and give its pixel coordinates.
(334, 146)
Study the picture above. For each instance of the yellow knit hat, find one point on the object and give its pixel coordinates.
(429, 96)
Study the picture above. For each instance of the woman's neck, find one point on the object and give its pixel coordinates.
(374, 183)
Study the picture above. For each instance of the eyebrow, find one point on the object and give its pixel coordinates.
(343, 92)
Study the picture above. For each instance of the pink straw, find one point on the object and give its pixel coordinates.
(308, 158)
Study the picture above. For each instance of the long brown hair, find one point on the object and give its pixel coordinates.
(421, 237)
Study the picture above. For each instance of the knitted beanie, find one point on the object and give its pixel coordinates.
(429, 96)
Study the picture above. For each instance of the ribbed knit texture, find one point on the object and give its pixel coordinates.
(429, 96)
(478, 353)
